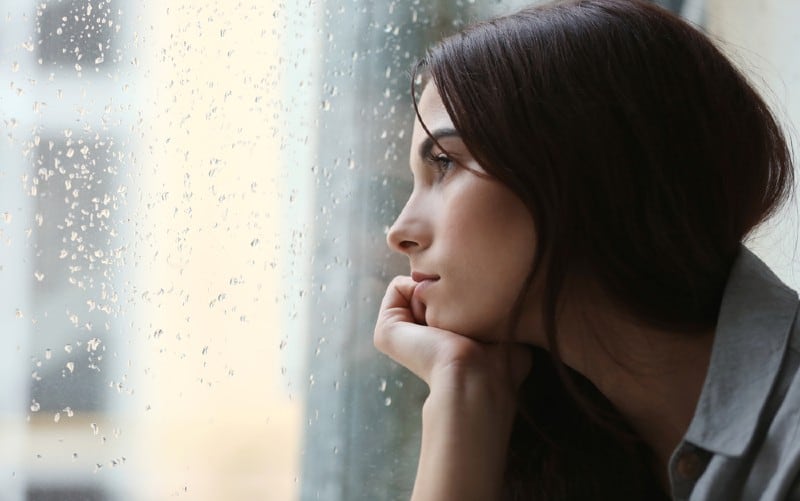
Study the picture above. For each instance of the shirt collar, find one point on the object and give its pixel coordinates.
(753, 328)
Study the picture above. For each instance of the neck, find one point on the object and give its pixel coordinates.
(654, 383)
(653, 377)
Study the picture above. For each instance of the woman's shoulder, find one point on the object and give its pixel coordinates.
(746, 429)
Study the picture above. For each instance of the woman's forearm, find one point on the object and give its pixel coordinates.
(467, 417)
(464, 444)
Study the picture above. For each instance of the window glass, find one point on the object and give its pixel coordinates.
(194, 198)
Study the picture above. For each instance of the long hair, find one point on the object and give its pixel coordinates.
(645, 158)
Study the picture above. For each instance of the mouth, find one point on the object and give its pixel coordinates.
(421, 277)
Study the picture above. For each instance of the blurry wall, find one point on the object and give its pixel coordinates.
(762, 38)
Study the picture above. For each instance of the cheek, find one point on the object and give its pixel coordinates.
(478, 309)
(490, 246)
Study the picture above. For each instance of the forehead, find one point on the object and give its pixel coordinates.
(433, 113)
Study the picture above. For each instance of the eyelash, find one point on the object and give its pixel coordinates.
(443, 163)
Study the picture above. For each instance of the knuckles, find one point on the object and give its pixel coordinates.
(428, 351)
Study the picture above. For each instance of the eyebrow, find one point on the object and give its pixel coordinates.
(427, 145)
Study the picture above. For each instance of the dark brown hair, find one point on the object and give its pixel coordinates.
(645, 158)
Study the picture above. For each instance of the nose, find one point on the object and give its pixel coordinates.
(409, 233)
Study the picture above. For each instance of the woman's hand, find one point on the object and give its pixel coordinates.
(436, 355)
(468, 414)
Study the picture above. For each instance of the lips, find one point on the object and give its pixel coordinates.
(424, 280)
(419, 277)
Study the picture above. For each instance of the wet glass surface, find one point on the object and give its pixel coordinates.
(194, 198)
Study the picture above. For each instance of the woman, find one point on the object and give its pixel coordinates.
(580, 303)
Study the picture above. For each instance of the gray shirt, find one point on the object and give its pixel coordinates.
(744, 439)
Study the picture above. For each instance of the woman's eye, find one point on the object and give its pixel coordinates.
(442, 163)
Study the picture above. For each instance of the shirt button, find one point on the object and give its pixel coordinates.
(690, 466)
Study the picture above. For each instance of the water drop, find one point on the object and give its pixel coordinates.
(388, 401)
(48, 354)
(92, 344)
(35, 406)
(383, 385)
(70, 366)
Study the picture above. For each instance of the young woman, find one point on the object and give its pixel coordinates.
(580, 302)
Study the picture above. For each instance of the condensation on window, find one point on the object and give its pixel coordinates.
(194, 199)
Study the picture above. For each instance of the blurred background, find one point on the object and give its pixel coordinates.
(194, 197)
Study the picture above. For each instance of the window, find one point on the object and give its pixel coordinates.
(194, 197)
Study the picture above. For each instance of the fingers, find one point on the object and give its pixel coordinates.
(401, 334)
(396, 303)
(418, 310)
(410, 345)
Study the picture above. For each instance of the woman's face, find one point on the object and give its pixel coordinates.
(469, 235)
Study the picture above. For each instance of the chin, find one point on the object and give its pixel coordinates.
(479, 331)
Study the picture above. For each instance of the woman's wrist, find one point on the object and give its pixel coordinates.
(465, 433)
(471, 395)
